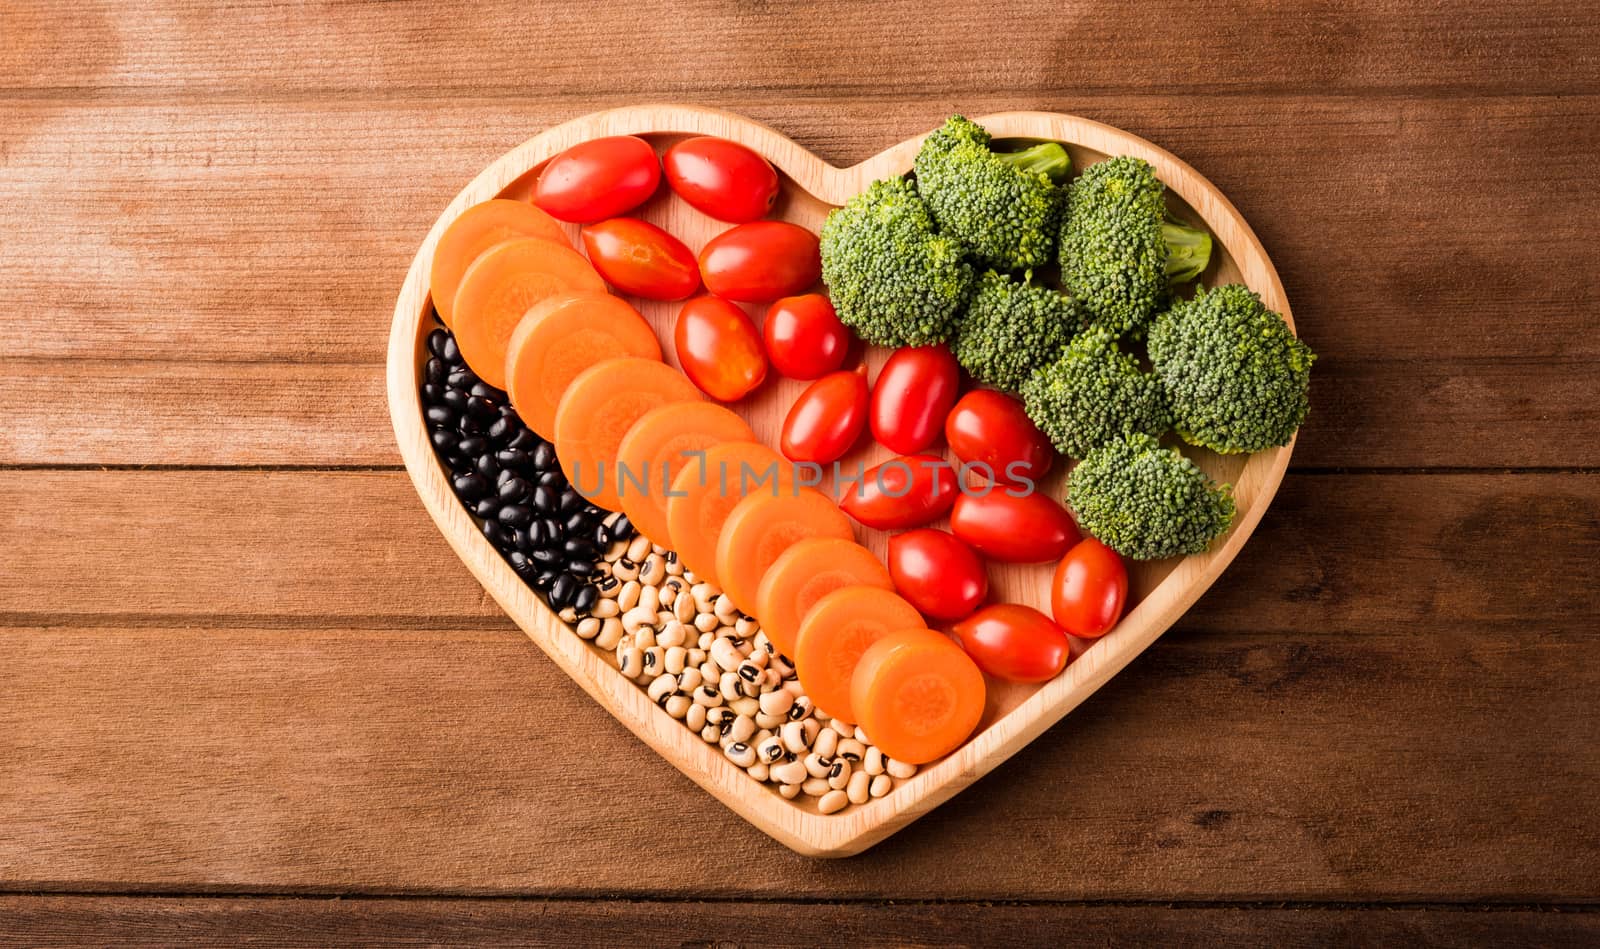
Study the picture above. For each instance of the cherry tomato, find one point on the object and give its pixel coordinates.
(761, 261)
(827, 418)
(1030, 528)
(721, 178)
(914, 392)
(719, 348)
(1014, 642)
(1090, 588)
(805, 339)
(597, 179)
(990, 431)
(639, 258)
(937, 573)
(902, 492)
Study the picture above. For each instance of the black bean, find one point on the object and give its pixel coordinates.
(459, 464)
(544, 578)
(508, 412)
(602, 536)
(462, 379)
(548, 558)
(432, 393)
(434, 370)
(512, 458)
(546, 500)
(584, 600)
(486, 508)
(501, 429)
(580, 568)
(480, 408)
(554, 480)
(439, 415)
(577, 522)
(455, 399)
(552, 531)
(571, 500)
(443, 439)
(562, 591)
(485, 466)
(449, 351)
(470, 487)
(469, 425)
(436, 342)
(513, 488)
(621, 529)
(498, 535)
(516, 515)
(487, 392)
(521, 563)
(544, 456)
(579, 547)
(523, 439)
(749, 673)
(473, 445)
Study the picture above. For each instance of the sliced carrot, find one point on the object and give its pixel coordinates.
(563, 335)
(501, 286)
(834, 634)
(760, 528)
(661, 444)
(702, 498)
(804, 574)
(477, 229)
(599, 407)
(917, 695)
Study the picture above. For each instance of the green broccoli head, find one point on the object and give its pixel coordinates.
(1120, 252)
(891, 278)
(1012, 328)
(1236, 377)
(1006, 207)
(1147, 502)
(1093, 394)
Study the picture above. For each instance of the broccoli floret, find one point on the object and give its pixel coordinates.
(1120, 251)
(892, 279)
(1005, 206)
(1147, 502)
(1012, 328)
(1236, 378)
(1094, 393)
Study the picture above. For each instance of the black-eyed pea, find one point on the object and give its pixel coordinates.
(674, 565)
(763, 720)
(630, 661)
(629, 597)
(794, 737)
(811, 727)
(859, 788)
(590, 628)
(709, 670)
(683, 607)
(636, 619)
(710, 734)
(649, 596)
(728, 684)
(872, 761)
(690, 679)
(706, 622)
(707, 697)
(639, 548)
(777, 703)
(677, 705)
(851, 750)
(695, 718)
(653, 660)
(816, 765)
(823, 716)
(611, 633)
(861, 736)
(739, 753)
(645, 637)
(881, 784)
(625, 570)
(673, 659)
(789, 791)
(898, 769)
(758, 771)
(771, 679)
(725, 654)
(833, 802)
(616, 551)
(770, 749)
(782, 664)
(788, 772)
(744, 728)
(816, 787)
(662, 686)
(606, 608)
(827, 743)
(802, 709)
(839, 774)
(725, 609)
(844, 729)
(745, 626)
(568, 615)
(697, 656)
(689, 577)
(746, 706)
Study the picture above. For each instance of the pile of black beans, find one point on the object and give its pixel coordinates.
(510, 480)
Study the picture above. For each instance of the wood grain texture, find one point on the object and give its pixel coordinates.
(354, 548)
(537, 50)
(1014, 713)
(106, 201)
(1346, 765)
(48, 921)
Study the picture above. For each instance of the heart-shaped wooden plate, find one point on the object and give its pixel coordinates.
(1016, 714)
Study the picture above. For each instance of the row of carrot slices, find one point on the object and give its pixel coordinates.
(584, 369)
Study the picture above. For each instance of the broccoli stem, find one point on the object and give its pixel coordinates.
(1047, 157)
(1188, 251)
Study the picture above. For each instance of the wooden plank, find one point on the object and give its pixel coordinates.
(1371, 45)
(167, 234)
(43, 921)
(1370, 765)
(288, 548)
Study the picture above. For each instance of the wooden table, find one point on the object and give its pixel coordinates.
(247, 691)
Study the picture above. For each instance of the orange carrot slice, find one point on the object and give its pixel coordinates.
(599, 407)
(661, 444)
(501, 286)
(804, 574)
(760, 528)
(477, 229)
(563, 335)
(917, 695)
(835, 633)
(702, 498)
